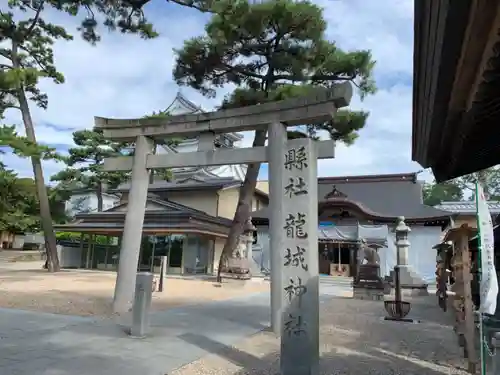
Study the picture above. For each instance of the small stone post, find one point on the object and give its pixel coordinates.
(142, 304)
(163, 272)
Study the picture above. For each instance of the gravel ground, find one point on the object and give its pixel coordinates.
(88, 293)
(354, 340)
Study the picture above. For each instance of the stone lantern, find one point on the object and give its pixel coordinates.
(247, 239)
(241, 264)
(398, 309)
(402, 243)
(409, 280)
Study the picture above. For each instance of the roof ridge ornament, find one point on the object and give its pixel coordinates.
(335, 193)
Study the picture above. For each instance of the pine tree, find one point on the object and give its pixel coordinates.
(272, 50)
(28, 57)
(85, 165)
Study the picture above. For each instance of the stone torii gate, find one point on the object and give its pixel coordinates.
(293, 197)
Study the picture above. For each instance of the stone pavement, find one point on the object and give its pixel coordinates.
(47, 344)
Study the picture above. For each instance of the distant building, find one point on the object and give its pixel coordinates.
(83, 201)
(465, 212)
(186, 220)
(181, 105)
(366, 207)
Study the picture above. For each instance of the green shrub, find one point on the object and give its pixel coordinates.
(73, 236)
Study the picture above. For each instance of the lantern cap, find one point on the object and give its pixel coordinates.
(401, 226)
(249, 227)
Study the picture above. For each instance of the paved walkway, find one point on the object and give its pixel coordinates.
(46, 344)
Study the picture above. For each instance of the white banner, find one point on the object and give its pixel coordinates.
(489, 282)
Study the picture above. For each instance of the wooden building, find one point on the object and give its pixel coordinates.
(352, 208)
(456, 86)
(186, 220)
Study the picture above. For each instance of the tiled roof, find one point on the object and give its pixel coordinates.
(387, 195)
(188, 107)
(190, 184)
(165, 214)
(383, 196)
(467, 207)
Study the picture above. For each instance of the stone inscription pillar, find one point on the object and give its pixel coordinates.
(299, 257)
(277, 148)
(132, 231)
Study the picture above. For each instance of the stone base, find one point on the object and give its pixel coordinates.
(236, 275)
(414, 290)
(368, 294)
(411, 283)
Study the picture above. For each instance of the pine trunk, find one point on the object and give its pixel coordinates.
(41, 190)
(243, 209)
(99, 191)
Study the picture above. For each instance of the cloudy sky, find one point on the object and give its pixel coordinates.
(125, 76)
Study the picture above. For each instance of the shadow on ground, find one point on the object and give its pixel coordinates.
(356, 340)
(62, 345)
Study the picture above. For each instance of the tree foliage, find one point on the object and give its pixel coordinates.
(27, 56)
(163, 174)
(272, 50)
(85, 165)
(434, 194)
(23, 147)
(489, 179)
(27, 53)
(26, 40)
(19, 206)
(85, 162)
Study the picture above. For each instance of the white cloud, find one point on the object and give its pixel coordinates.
(125, 76)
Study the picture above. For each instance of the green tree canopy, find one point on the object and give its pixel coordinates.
(163, 174)
(27, 38)
(27, 54)
(85, 164)
(436, 193)
(19, 206)
(489, 179)
(272, 50)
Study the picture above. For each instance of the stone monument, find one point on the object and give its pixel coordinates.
(411, 282)
(299, 257)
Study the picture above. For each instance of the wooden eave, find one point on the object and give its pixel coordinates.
(361, 210)
(456, 78)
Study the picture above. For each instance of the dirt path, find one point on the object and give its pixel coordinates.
(354, 340)
(88, 293)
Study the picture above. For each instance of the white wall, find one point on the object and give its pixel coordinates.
(261, 251)
(88, 203)
(69, 257)
(421, 255)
